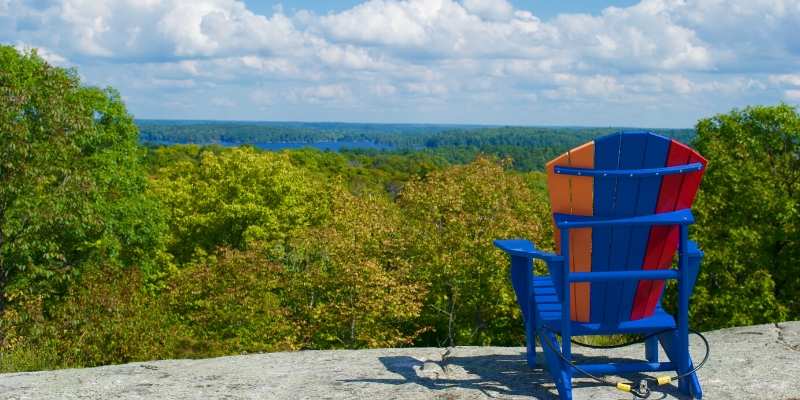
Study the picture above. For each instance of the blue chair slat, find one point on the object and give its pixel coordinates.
(637, 173)
(654, 155)
(631, 155)
(539, 281)
(550, 314)
(612, 276)
(546, 299)
(606, 157)
(680, 217)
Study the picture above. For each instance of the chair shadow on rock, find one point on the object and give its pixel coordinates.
(494, 375)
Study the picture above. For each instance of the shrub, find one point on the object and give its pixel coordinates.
(352, 284)
(106, 318)
(230, 302)
(452, 217)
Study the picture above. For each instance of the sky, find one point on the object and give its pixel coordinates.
(653, 63)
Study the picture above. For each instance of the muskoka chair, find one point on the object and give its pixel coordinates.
(621, 208)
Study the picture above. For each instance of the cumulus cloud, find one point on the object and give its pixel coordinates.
(402, 53)
(490, 9)
(792, 95)
(49, 56)
(154, 30)
(320, 94)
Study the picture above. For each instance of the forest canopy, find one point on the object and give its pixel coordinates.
(112, 251)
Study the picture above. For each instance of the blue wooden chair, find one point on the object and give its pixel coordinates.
(621, 208)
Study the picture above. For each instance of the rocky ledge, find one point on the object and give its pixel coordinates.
(756, 362)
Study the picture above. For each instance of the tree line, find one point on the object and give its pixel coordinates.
(529, 147)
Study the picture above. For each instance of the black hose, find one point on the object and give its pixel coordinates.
(640, 394)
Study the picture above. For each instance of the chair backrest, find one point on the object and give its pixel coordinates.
(608, 193)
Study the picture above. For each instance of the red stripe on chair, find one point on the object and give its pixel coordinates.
(677, 192)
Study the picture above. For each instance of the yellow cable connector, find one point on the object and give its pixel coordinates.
(663, 380)
(624, 387)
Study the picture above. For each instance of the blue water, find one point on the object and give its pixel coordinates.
(277, 146)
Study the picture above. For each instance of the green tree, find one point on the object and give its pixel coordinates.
(235, 197)
(452, 217)
(230, 302)
(104, 318)
(71, 182)
(749, 217)
(352, 285)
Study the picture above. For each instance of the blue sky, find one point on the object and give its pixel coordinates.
(650, 63)
(542, 9)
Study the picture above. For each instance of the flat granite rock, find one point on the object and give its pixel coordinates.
(756, 362)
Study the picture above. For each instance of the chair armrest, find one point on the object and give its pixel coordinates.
(524, 248)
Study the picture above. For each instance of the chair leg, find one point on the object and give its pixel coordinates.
(522, 281)
(690, 385)
(562, 374)
(651, 349)
(530, 336)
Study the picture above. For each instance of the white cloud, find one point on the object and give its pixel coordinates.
(49, 56)
(348, 56)
(490, 9)
(384, 89)
(394, 53)
(788, 79)
(792, 95)
(158, 30)
(320, 94)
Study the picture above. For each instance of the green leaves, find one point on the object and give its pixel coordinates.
(72, 188)
(748, 223)
(453, 216)
(237, 198)
(229, 303)
(351, 282)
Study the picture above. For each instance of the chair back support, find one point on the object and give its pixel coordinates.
(618, 176)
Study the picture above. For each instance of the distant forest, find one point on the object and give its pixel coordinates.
(528, 147)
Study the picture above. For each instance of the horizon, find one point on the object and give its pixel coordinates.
(649, 63)
(136, 119)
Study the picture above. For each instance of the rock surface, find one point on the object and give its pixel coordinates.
(757, 362)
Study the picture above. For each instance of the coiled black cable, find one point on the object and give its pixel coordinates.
(640, 393)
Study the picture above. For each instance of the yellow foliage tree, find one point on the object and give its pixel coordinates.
(353, 286)
(452, 217)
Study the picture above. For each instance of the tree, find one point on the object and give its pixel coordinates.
(104, 318)
(71, 182)
(230, 303)
(352, 285)
(748, 215)
(452, 217)
(235, 197)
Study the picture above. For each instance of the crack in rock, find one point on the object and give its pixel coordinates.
(782, 340)
(433, 369)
